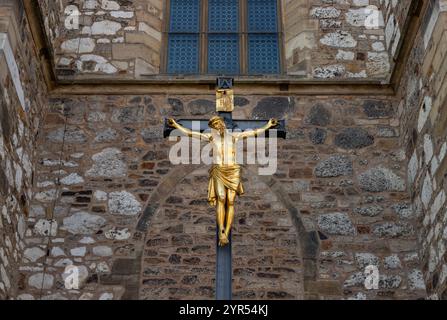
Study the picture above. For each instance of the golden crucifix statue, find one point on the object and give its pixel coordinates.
(225, 174)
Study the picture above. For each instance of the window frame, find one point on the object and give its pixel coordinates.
(203, 41)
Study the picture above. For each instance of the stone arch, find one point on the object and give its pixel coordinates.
(306, 246)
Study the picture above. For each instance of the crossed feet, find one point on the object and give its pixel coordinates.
(223, 238)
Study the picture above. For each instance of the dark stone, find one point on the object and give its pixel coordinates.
(241, 102)
(206, 291)
(182, 240)
(144, 220)
(159, 282)
(188, 280)
(152, 133)
(174, 200)
(135, 100)
(3, 182)
(267, 275)
(147, 183)
(311, 244)
(354, 138)
(318, 116)
(247, 294)
(175, 259)
(279, 295)
(128, 115)
(201, 249)
(125, 267)
(83, 199)
(273, 107)
(174, 229)
(322, 236)
(193, 260)
(156, 242)
(177, 107)
(201, 107)
(152, 271)
(155, 155)
(377, 109)
(318, 136)
(5, 118)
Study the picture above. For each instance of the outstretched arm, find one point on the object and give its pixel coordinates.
(253, 133)
(186, 131)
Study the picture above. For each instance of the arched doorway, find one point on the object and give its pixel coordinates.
(178, 259)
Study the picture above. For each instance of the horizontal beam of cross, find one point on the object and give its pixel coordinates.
(242, 125)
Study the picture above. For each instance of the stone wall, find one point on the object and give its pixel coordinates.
(128, 219)
(22, 105)
(100, 38)
(336, 40)
(423, 112)
(323, 39)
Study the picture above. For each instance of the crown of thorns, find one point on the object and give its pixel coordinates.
(214, 120)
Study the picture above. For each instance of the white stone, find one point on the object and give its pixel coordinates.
(341, 39)
(72, 179)
(83, 223)
(378, 46)
(105, 27)
(122, 14)
(118, 234)
(4, 277)
(102, 251)
(108, 163)
(103, 267)
(101, 64)
(378, 63)
(437, 205)
(329, 72)
(62, 263)
(46, 196)
(357, 17)
(392, 262)
(78, 252)
(78, 45)
(45, 227)
(416, 280)
(106, 296)
(149, 30)
(124, 203)
(442, 152)
(90, 4)
(41, 281)
(57, 252)
(25, 296)
(427, 191)
(87, 240)
(14, 72)
(366, 259)
(428, 148)
(34, 254)
(413, 167)
(325, 13)
(86, 296)
(109, 5)
(345, 55)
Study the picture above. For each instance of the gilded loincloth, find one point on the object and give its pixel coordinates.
(229, 176)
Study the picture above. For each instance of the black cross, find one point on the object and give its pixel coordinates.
(224, 272)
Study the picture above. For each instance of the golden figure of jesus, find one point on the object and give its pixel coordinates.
(225, 174)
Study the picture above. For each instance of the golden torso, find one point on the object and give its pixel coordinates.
(224, 149)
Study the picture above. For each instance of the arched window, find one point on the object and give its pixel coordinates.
(224, 37)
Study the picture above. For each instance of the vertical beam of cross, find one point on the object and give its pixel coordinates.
(224, 268)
